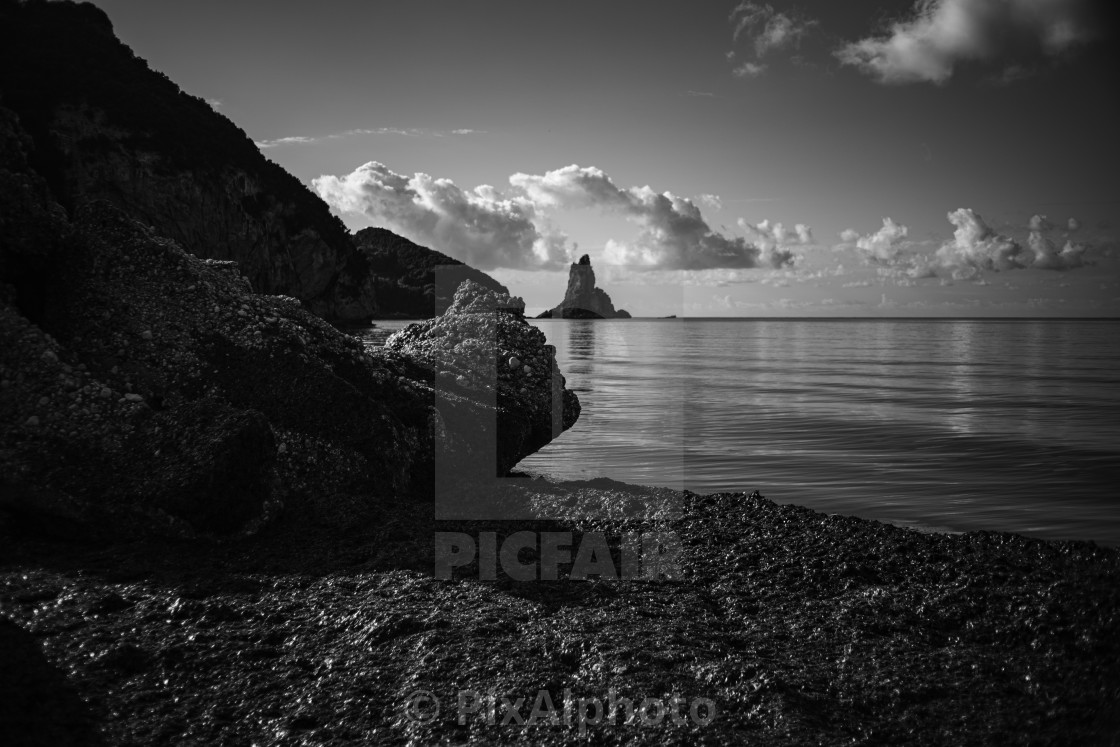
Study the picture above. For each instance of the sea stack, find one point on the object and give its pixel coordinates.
(583, 300)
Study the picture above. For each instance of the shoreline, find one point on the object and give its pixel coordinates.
(797, 625)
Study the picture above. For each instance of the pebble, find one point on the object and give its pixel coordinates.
(146, 334)
(133, 397)
(50, 356)
(514, 363)
(44, 401)
(33, 420)
(106, 392)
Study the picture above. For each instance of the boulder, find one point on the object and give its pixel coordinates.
(485, 353)
(158, 393)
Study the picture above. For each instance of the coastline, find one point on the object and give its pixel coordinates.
(797, 625)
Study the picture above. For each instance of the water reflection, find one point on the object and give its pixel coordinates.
(581, 346)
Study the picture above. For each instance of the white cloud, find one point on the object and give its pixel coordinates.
(883, 245)
(849, 235)
(1046, 254)
(291, 140)
(404, 131)
(941, 34)
(710, 201)
(1039, 223)
(1073, 225)
(768, 29)
(480, 227)
(748, 70)
(771, 234)
(488, 228)
(673, 235)
(975, 246)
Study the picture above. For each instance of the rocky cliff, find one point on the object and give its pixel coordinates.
(107, 127)
(404, 275)
(582, 300)
(145, 390)
(104, 126)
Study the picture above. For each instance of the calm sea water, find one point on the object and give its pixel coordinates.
(1010, 425)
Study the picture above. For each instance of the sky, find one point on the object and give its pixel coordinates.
(864, 158)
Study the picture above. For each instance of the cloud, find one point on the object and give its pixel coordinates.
(849, 235)
(215, 104)
(1046, 254)
(941, 34)
(1039, 223)
(776, 233)
(673, 235)
(479, 227)
(701, 94)
(768, 29)
(975, 246)
(292, 140)
(1073, 225)
(884, 245)
(407, 132)
(748, 70)
(489, 229)
(710, 201)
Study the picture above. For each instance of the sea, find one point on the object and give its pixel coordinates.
(947, 425)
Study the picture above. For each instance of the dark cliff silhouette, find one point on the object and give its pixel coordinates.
(105, 126)
(406, 284)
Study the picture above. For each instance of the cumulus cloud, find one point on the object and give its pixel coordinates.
(976, 246)
(1073, 225)
(1046, 255)
(710, 201)
(488, 228)
(1039, 223)
(774, 235)
(673, 235)
(480, 227)
(849, 235)
(883, 245)
(941, 34)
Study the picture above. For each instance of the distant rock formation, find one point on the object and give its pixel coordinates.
(583, 300)
(404, 275)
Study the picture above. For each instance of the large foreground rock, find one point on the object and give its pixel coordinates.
(483, 348)
(155, 392)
